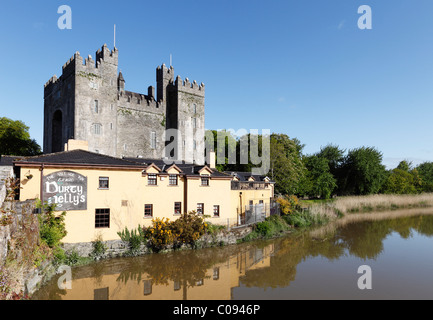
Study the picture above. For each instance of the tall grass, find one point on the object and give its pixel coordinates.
(360, 204)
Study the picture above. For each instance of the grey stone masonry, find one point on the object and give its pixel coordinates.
(5, 173)
(89, 102)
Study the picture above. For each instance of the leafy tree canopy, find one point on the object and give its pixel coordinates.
(15, 139)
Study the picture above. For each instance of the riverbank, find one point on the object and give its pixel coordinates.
(315, 215)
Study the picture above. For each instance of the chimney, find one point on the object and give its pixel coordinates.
(211, 161)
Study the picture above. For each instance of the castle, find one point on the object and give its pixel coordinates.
(89, 102)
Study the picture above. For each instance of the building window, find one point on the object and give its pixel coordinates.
(261, 202)
(148, 210)
(173, 180)
(200, 208)
(153, 140)
(102, 218)
(194, 107)
(147, 287)
(101, 294)
(216, 273)
(124, 203)
(194, 123)
(195, 145)
(96, 106)
(151, 179)
(97, 128)
(178, 208)
(216, 211)
(177, 285)
(104, 183)
(205, 181)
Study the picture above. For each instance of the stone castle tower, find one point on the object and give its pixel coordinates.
(89, 102)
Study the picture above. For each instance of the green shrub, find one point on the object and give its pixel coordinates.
(188, 228)
(263, 228)
(99, 248)
(52, 227)
(305, 219)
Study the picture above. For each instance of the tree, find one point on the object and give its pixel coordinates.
(334, 155)
(399, 181)
(402, 180)
(15, 139)
(319, 181)
(286, 166)
(425, 171)
(361, 172)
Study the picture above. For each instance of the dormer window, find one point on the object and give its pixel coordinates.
(151, 179)
(205, 180)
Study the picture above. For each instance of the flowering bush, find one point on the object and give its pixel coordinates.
(189, 228)
(288, 204)
(160, 233)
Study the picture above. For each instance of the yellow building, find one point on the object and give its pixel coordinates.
(102, 195)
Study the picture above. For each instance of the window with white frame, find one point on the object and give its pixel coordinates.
(97, 128)
(153, 140)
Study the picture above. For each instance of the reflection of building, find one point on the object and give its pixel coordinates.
(217, 283)
(102, 195)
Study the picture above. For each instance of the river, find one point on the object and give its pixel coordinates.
(317, 264)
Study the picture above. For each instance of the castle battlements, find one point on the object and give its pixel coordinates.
(128, 99)
(187, 86)
(115, 121)
(52, 81)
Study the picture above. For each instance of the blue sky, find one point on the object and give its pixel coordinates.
(299, 67)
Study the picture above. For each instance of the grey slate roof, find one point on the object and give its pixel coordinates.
(8, 160)
(79, 157)
(187, 168)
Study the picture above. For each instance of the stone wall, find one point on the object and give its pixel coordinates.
(22, 229)
(18, 241)
(5, 173)
(118, 248)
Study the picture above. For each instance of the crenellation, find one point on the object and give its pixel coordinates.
(187, 86)
(52, 81)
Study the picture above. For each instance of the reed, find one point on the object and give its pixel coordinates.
(361, 204)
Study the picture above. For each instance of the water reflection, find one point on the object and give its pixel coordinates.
(244, 271)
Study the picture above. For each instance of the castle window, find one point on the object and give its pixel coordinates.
(195, 108)
(96, 106)
(153, 140)
(97, 128)
(194, 123)
(195, 145)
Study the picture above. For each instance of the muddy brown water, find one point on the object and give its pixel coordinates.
(323, 263)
